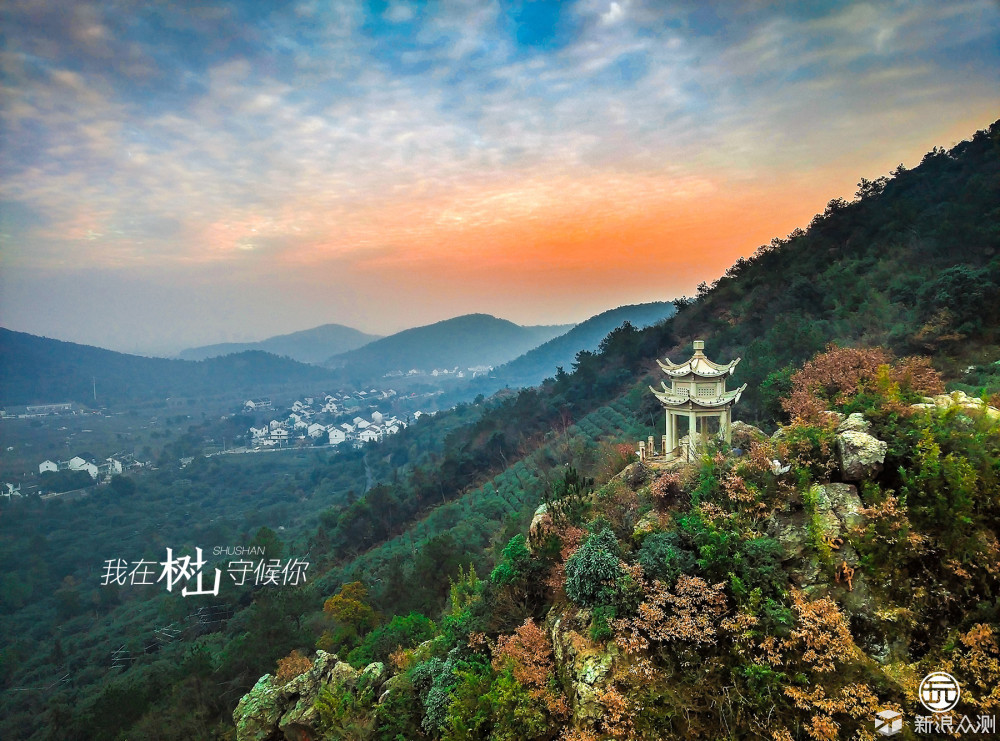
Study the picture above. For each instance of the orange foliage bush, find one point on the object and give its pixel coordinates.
(823, 631)
(736, 489)
(570, 539)
(834, 376)
(616, 458)
(857, 701)
(573, 734)
(978, 663)
(689, 614)
(292, 666)
(666, 489)
(528, 655)
(617, 720)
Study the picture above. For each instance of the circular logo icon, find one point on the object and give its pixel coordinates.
(939, 692)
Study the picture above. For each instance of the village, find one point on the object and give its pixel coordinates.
(328, 420)
(346, 418)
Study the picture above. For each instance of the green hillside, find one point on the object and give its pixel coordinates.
(541, 362)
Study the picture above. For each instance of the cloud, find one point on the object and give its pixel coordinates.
(615, 13)
(275, 139)
(398, 12)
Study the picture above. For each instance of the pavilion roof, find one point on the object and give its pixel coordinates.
(698, 365)
(681, 397)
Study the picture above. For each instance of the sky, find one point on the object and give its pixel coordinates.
(175, 174)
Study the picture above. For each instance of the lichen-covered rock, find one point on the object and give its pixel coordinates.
(830, 415)
(742, 435)
(392, 684)
(584, 667)
(648, 523)
(541, 525)
(808, 532)
(372, 676)
(844, 502)
(854, 423)
(960, 399)
(860, 455)
(272, 711)
(258, 712)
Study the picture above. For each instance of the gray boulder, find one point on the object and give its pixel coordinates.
(859, 455)
(743, 435)
(541, 525)
(854, 423)
(959, 399)
(837, 510)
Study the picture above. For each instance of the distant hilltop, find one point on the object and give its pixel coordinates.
(307, 346)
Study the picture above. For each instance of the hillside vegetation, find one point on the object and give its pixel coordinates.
(543, 361)
(716, 599)
(730, 598)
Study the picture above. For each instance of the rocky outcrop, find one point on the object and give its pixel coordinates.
(648, 523)
(634, 474)
(830, 416)
(814, 536)
(742, 435)
(853, 423)
(859, 455)
(541, 525)
(959, 399)
(584, 667)
(286, 712)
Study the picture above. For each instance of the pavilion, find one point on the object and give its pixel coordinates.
(698, 394)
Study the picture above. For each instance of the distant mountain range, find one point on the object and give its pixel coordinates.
(308, 346)
(541, 362)
(37, 369)
(463, 342)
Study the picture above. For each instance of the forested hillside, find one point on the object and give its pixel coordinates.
(541, 362)
(725, 614)
(463, 342)
(37, 370)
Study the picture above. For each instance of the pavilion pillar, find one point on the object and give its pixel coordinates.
(692, 433)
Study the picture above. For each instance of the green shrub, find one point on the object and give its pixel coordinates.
(593, 573)
(515, 562)
(662, 557)
(401, 632)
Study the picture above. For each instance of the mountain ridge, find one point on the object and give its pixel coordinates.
(37, 369)
(311, 346)
(463, 341)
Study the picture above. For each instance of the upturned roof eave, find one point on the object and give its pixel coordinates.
(714, 370)
(677, 402)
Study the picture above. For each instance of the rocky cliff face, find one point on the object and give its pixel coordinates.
(276, 711)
